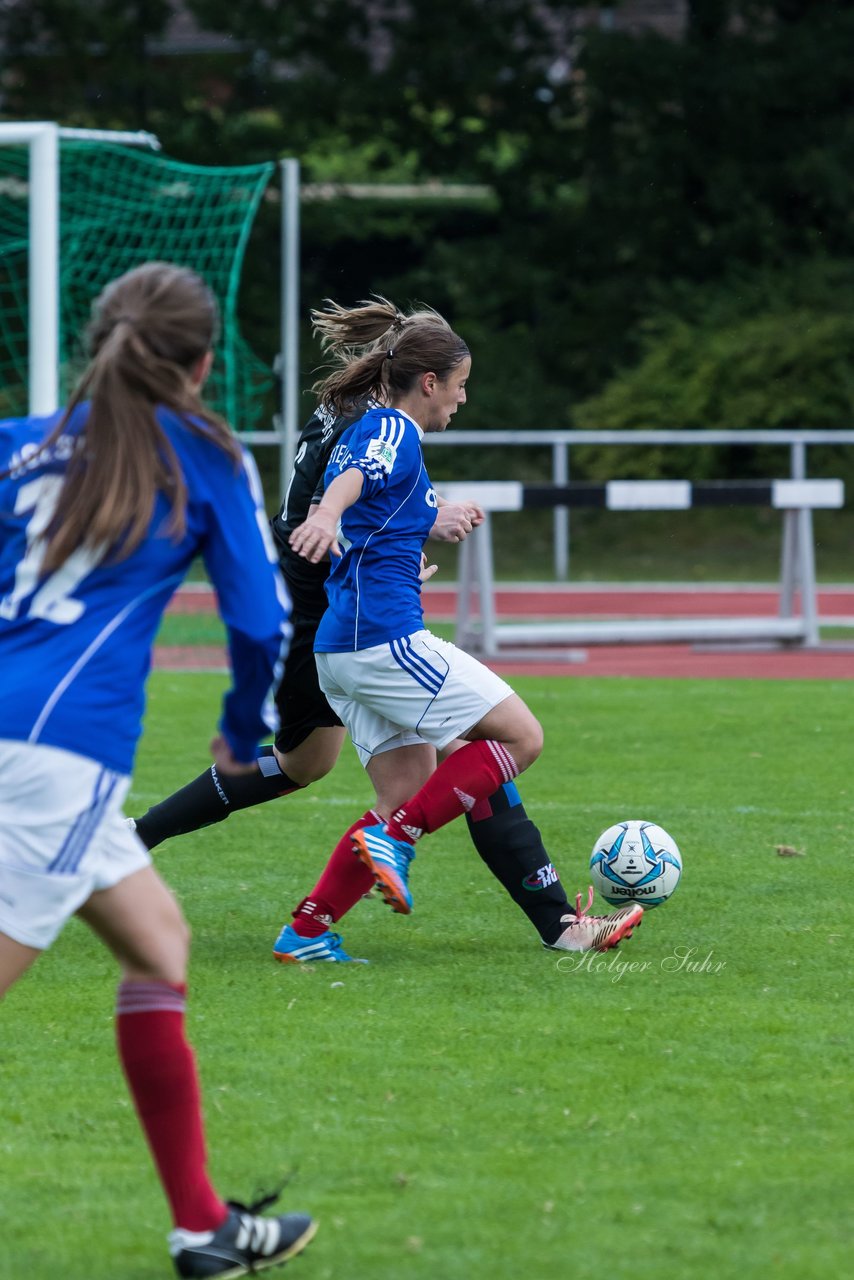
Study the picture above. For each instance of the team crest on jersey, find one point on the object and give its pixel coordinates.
(383, 452)
(431, 499)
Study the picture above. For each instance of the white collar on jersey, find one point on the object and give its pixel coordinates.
(401, 414)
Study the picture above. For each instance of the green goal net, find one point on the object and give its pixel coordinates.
(120, 206)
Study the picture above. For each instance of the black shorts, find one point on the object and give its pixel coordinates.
(300, 702)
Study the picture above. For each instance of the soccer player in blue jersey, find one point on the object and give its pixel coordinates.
(403, 693)
(310, 734)
(102, 509)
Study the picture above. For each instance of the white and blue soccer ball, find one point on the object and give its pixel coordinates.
(635, 862)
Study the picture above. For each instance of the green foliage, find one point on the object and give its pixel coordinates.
(627, 168)
(771, 351)
(698, 154)
(458, 1108)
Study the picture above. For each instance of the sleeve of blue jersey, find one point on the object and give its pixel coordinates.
(254, 605)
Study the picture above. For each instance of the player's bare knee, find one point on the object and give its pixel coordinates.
(167, 957)
(313, 759)
(390, 798)
(168, 963)
(527, 746)
(304, 773)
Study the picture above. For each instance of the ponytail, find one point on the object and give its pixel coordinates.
(148, 333)
(380, 351)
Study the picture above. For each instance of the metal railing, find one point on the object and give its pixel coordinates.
(562, 442)
(479, 630)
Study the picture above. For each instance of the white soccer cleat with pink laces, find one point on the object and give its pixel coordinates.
(584, 932)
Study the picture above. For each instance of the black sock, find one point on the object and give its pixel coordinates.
(512, 847)
(211, 798)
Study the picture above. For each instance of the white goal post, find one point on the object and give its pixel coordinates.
(42, 137)
(80, 206)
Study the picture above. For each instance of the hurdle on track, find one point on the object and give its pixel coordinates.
(478, 630)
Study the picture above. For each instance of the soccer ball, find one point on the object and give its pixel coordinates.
(635, 862)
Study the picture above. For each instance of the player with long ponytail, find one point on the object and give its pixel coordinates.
(102, 510)
(403, 693)
(310, 734)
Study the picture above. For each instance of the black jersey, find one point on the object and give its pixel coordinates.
(317, 440)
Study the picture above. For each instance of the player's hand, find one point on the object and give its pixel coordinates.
(316, 536)
(427, 570)
(224, 759)
(455, 521)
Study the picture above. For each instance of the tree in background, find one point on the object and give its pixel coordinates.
(635, 177)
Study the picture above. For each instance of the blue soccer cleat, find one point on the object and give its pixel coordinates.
(389, 861)
(290, 948)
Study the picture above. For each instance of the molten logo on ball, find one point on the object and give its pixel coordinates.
(635, 862)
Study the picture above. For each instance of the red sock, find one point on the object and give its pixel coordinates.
(467, 776)
(344, 881)
(161, 1074)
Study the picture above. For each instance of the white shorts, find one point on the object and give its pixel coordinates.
(417, 689)
(62, 836)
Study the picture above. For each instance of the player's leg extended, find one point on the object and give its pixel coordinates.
(345, 880)
(498, 735)
(307, 746)
(141, 923)
(509, 843)
(512, 848)
(423, 687)
(499, 747)
(464, 778)
(214, 796)
(394, 773)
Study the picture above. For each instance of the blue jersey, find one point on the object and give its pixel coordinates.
(374, 589)
(75, 645)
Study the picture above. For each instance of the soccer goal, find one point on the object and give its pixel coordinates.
(78, 207)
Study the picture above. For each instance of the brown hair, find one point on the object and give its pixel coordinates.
(148, 329)
(381, 351)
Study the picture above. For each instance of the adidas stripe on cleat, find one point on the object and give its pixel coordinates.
(243, 1245)
(290, 948)
(596, 933)
(388, 859)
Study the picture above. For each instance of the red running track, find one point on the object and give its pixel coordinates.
(829, 662)
(559, 601)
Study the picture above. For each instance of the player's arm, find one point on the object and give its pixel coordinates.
(253, 602)
(318, 534)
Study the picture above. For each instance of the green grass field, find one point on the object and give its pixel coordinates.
(470, 1106)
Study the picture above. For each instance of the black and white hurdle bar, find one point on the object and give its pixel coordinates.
(478, 630)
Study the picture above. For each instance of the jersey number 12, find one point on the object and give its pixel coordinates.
(53, 600)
